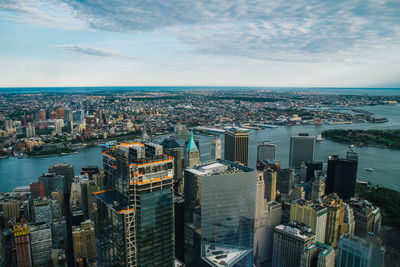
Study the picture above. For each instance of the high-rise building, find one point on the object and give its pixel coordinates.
(59, 124)
(30, 131)
(266, 151)
(270, 177)
(341, 176)
(216, 149)
(318, 254)
(364, 216)
(41, 243)
(8, 124)
(42, 114)
(80, 115)
(192, 153)
(42, 210)
(59, 232)
(356, 251)
(317, 188)
(52, 182)
(310, 214)
(68, 115)
(37, 189)
(67, 170)
(310, 169)
(135, 217)
(335, 219)
(349, 221)
(60, 113)
(302, 148)
(237, 146)
(84, 241)
(22, 245)
(285, 182)
(11, 209)
(172, 148)
(289, 243)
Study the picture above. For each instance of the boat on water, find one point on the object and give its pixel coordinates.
(369, 169)
(320, 138)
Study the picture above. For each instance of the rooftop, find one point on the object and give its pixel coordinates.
(296, 229)
(217, 167)
(112, 199)
(222, 255)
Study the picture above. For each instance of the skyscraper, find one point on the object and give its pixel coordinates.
(30, 131)
(356, 251)
(37, 189)
(84, 241)
(52, 182)
(270, 177)
(172, 148)
(335, 219)
(285, 179)
(341, 176)
(302, 148)
(216, 150)
(59, 123)
(22, 245)
(41, 243)
(237, 146)
(135, 217)
(289, 243)
(318, 254)
(312, 215)
(192, 153)
(317, 188)
(266, 151)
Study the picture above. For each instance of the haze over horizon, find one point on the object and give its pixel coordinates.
(204, 43)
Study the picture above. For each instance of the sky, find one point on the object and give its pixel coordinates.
(299, 43)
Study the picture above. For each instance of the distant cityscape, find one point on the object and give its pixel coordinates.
(154, 202)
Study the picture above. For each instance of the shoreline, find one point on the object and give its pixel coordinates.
(51, 155)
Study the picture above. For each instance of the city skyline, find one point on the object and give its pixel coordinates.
(86, 43)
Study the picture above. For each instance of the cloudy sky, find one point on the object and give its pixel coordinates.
(350, 43)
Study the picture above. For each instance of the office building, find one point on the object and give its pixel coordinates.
(297, 193)
(216, 148)
(11, 209)
(37, 189)
(318, 255)
(285, 183)
(302, 148)
(341, 176)
(310, 168)
(52, 183)
(231, 205)
(273, 164)
(42, 115)
(67, 170)
(59, 232)
(289, 243)
(312, 215)
(172, 148)
(317, 188)
(266, 225)
(266, 151)
(367, 217)
(41, 243)
(349, 221)
(80, 115)
(68, 115)
(237, 146)
(30, 131)
(270, 177)
(135, 217)
(8, 124)
(192, 153)
(89, 171)
(356, 251)
(22, 245)
(84, 241)
(87, 188)
(42, 210)
(59, 124)
(335, 219)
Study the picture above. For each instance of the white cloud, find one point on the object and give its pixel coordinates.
(92, 51)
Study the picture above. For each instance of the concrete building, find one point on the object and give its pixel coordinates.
(22, 245)
(335, 219)
(30, 131)
(349, 221)
(135, 216)
(237, 146)
(41, 243)
(266, 151)
(318, 255)
(42, 211)
(192, 153)
(289, 243)
(364, 216)
(302, 148)
(356, 251)
(285, 183)
(318, 188)
(312, 215)
(172, 148)
(37, 189)
(215, 149)
(59, 124)
(270, 177)
(84, 241)
(11, 209)
(52, 183)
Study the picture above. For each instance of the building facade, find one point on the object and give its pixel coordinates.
(302, 148)
(237, 146)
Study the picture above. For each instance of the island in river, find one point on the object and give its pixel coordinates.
(372, 137)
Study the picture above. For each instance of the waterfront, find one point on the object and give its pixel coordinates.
(385, 162)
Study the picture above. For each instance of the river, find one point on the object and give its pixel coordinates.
(385, 162)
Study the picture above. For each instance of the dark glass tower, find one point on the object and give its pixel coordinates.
(342, 175)
(135, 218)
(237, 146)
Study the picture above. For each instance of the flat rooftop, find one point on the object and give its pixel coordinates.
(220, 255)
(112, 199)
(217, 167)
